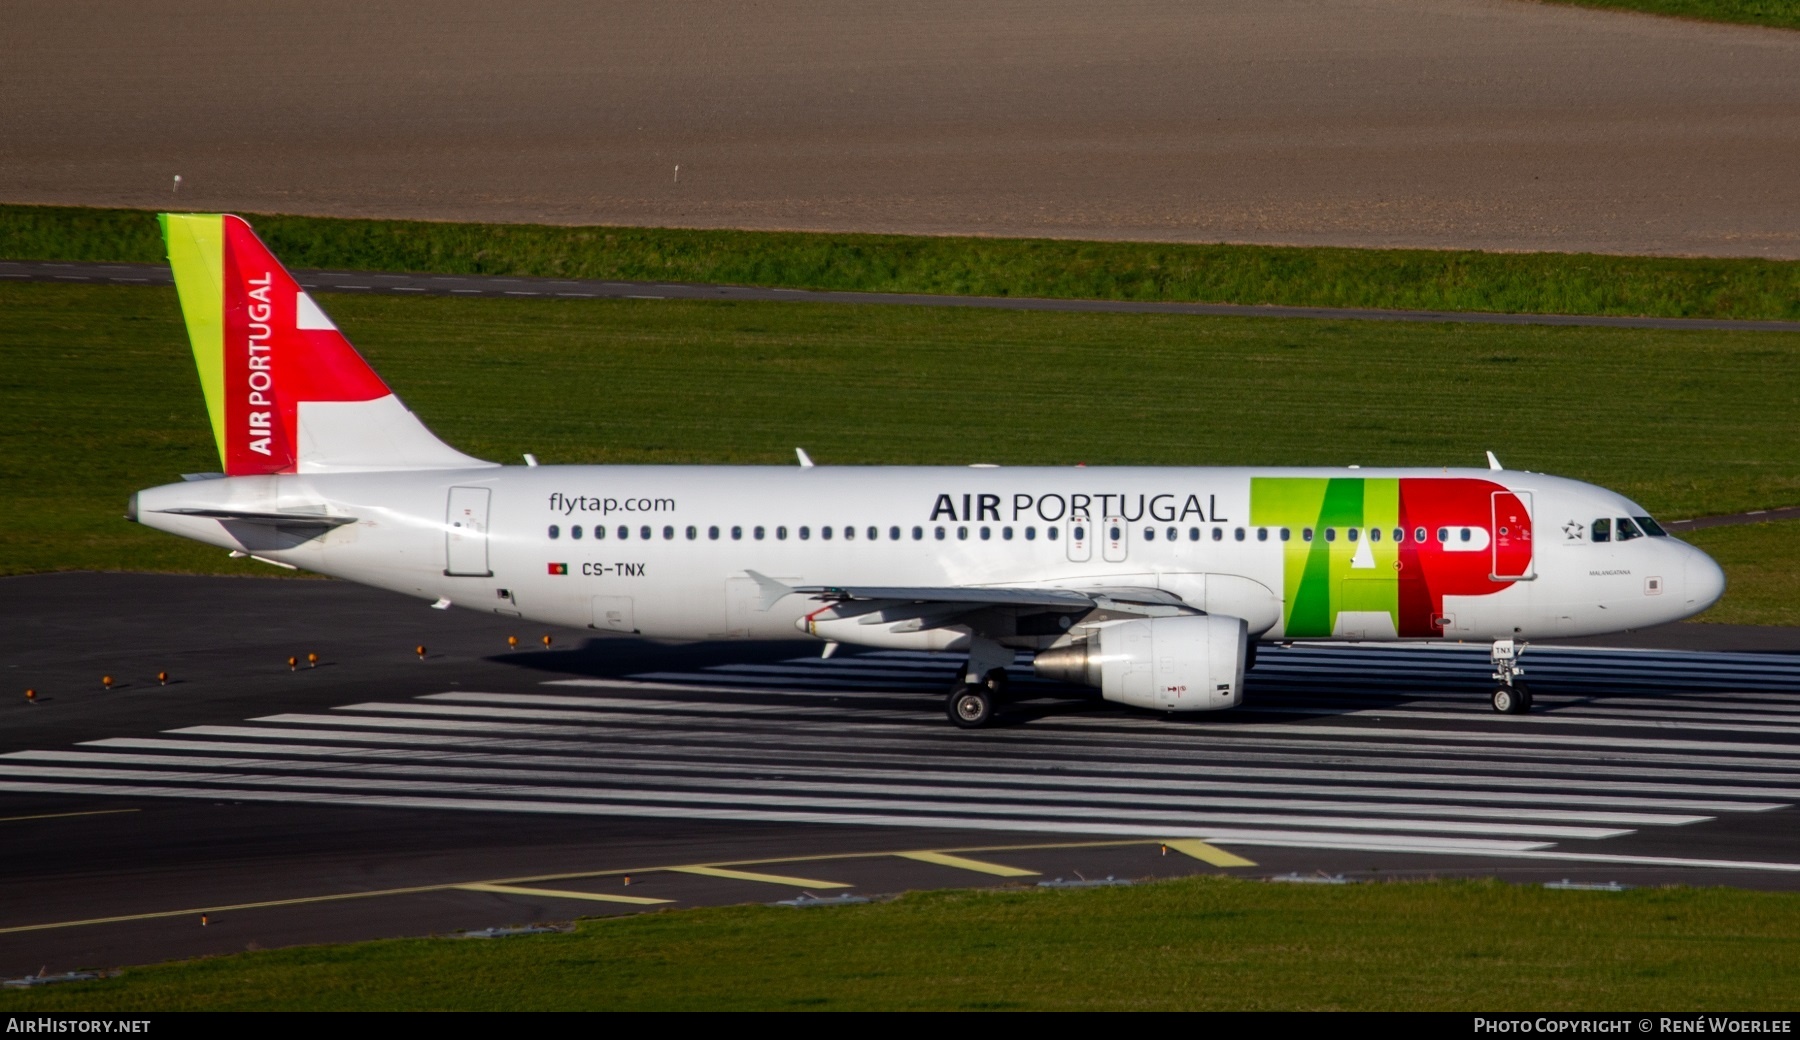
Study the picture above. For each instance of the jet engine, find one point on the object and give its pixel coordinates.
(1189, 663)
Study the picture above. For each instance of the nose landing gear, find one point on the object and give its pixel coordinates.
(1511, 696)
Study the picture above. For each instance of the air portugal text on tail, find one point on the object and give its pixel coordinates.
(1154, 585)
(286, 391)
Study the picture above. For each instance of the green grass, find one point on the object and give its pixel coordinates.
(1198, 944)
(1762, 568)
(1781, 14)
(100, 399)
(1552, 283)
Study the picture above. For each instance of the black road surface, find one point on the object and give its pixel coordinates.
(379, 793)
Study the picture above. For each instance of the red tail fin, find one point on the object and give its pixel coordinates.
(280, 350)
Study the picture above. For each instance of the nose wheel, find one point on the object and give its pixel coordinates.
(1511, 696)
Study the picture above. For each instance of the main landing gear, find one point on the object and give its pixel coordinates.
(972, 705)
(1511, 696)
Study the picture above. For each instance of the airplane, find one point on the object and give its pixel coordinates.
(1154, 585)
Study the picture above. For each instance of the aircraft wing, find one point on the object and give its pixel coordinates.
(923, 600)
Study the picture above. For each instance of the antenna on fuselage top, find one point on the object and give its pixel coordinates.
(806, 461)
(1493, 463)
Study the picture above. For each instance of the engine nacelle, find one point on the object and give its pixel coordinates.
(1189, 663)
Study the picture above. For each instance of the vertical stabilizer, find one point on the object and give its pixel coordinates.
(285, 391)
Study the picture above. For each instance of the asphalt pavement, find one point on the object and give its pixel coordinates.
(379, 792)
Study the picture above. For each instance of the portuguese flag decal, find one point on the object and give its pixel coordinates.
(559, 568)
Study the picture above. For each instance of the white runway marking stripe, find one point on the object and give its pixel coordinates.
(967, 791)
(736, 764)
(1384, 751)
(1218, 835)
(1066, 813)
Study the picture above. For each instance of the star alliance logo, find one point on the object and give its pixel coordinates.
(1574, 530)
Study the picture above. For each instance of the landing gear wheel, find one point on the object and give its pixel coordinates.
(1524, 693)
(1512, 700)
(970, 707)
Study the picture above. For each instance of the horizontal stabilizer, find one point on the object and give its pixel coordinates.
(266, 519)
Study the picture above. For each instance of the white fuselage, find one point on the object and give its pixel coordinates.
(667, 551)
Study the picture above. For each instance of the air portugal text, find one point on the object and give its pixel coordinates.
(1166, 507)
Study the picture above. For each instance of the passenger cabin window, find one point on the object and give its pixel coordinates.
(938, 532)
(555, 531)
(1374, 534)
(918, 533)
(1077, 532)
(805, 532)
(1350, 534)
(1626, 530)
(693, 533)
(1149, 534)
(893, 534)
(1418, 534)
(1306, 534)
(737, 533)
(825, 533)
(1238, 534)
(1218, 534)
(781, 534)
(758, 534)
(599, 532)
(1050, 533)
(1602, 530)
(1331, 534)
(575, 532)
(644, 532)
(1193, 534)
(1006, 533)
(962, 534)
(668, 533)
(1031, 534)
(1262, 534)
(1174, 534)
(624, 532)
(1443, 536)
(712, 534)
(1286, 534)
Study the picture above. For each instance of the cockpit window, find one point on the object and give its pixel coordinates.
(1626, 529)
(1651, 527)
(1602, 530)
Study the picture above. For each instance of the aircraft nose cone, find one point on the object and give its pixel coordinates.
(1705, 581)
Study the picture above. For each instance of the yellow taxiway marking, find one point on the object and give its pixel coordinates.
(379, 893)
(562, 893)
(1207, 853)
(944, 859)
(767, 879)
(64, 815)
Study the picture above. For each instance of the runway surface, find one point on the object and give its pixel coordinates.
(1493, 124)
(381, 794)
(389, 284)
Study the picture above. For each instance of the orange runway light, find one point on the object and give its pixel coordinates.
(31, 695)
(312, 660)
(420, 650)
(106, 681)
(546, 642)
(293, 663)
(512, 642)
(162, 678)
